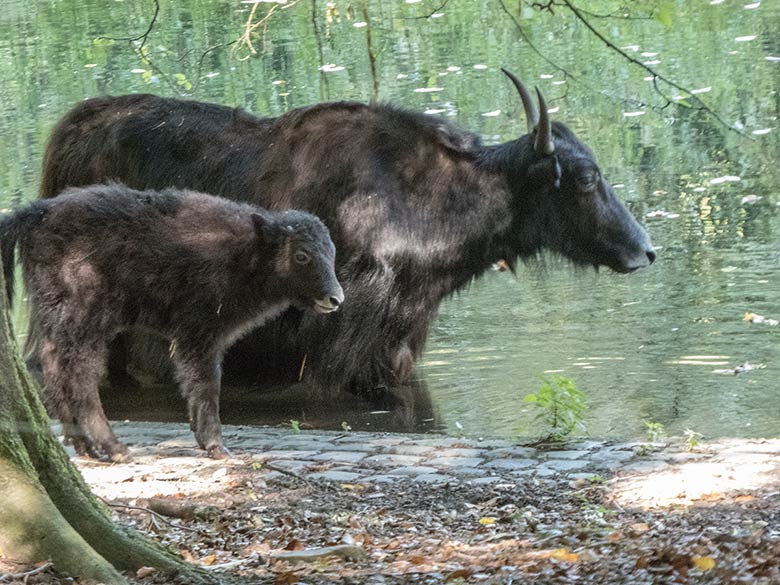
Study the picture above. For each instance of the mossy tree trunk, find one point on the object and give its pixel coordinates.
(47, 511)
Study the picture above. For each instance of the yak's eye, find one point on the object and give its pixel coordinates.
(588, 182)
(302, 257)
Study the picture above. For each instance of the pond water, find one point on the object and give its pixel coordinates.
(648, 346)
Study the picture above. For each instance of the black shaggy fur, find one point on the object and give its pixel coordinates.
(199, 270)
(417, 209)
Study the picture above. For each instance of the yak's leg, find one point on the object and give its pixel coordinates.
(402, 363)
(71, 373)
(199, 377)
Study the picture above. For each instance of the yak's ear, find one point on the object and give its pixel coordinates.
(267, 229)
(453, 139)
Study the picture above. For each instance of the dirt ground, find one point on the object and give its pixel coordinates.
(256, 522)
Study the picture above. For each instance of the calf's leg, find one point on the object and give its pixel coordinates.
(199, 377)
(71, 373)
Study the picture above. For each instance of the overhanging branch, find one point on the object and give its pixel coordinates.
(142, 37)
(656, 75)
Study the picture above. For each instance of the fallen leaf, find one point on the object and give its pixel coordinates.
(209, 559)
(487, 521)
(703, 563)
(564, 554)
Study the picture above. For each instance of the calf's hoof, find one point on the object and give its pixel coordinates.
(218, 452)
(83, 446)
(118, 453)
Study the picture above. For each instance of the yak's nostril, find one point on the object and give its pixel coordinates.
(334, 301)
(651, 256)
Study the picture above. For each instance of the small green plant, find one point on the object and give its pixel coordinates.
(562, 407)
(295, 425)
(692, 439)
(346, 427)
(654, 431)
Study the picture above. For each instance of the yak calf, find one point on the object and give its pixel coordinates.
(199, 270)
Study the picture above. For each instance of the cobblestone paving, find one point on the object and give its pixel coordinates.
(166, 454)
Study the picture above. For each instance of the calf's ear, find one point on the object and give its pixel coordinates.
(267, 229)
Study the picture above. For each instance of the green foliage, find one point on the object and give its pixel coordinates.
(346, 427)
(561, 407)
(654, 431)
(182, 80)
(664, 13)
(692, 439)
(295, 425)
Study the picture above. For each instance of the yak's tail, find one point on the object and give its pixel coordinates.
(14, 227)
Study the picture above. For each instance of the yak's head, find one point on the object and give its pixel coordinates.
(567, 202)
(304, 259)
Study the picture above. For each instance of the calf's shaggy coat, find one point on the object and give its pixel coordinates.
(199, 270)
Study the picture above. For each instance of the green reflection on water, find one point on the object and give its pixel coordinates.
(622, 338)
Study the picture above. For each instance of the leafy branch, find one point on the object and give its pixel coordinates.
(580, 15)
(245, 40)
(568, 74)
(142, 50)
(143, 37)
(656, 76)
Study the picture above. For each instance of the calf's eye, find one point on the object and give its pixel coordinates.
(302, 257)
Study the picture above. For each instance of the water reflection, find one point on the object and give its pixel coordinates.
(642, 347)
(403, 409)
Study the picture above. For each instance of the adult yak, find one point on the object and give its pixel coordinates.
(416, 207)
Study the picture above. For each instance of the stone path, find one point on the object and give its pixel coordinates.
(166, 455)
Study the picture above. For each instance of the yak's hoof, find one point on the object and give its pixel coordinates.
(119, 454)
(219, 452)
(83, 447)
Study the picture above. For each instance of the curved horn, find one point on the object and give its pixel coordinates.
(544, 141)
(528, 104)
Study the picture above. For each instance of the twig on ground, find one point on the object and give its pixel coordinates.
(25, 575)
(271, 465)
(154, 514)
(183, 509)
(349, 552)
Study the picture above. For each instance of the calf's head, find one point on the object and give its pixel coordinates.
(573, 209)
(303, 263)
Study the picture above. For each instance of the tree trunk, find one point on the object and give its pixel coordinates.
(47, 511)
